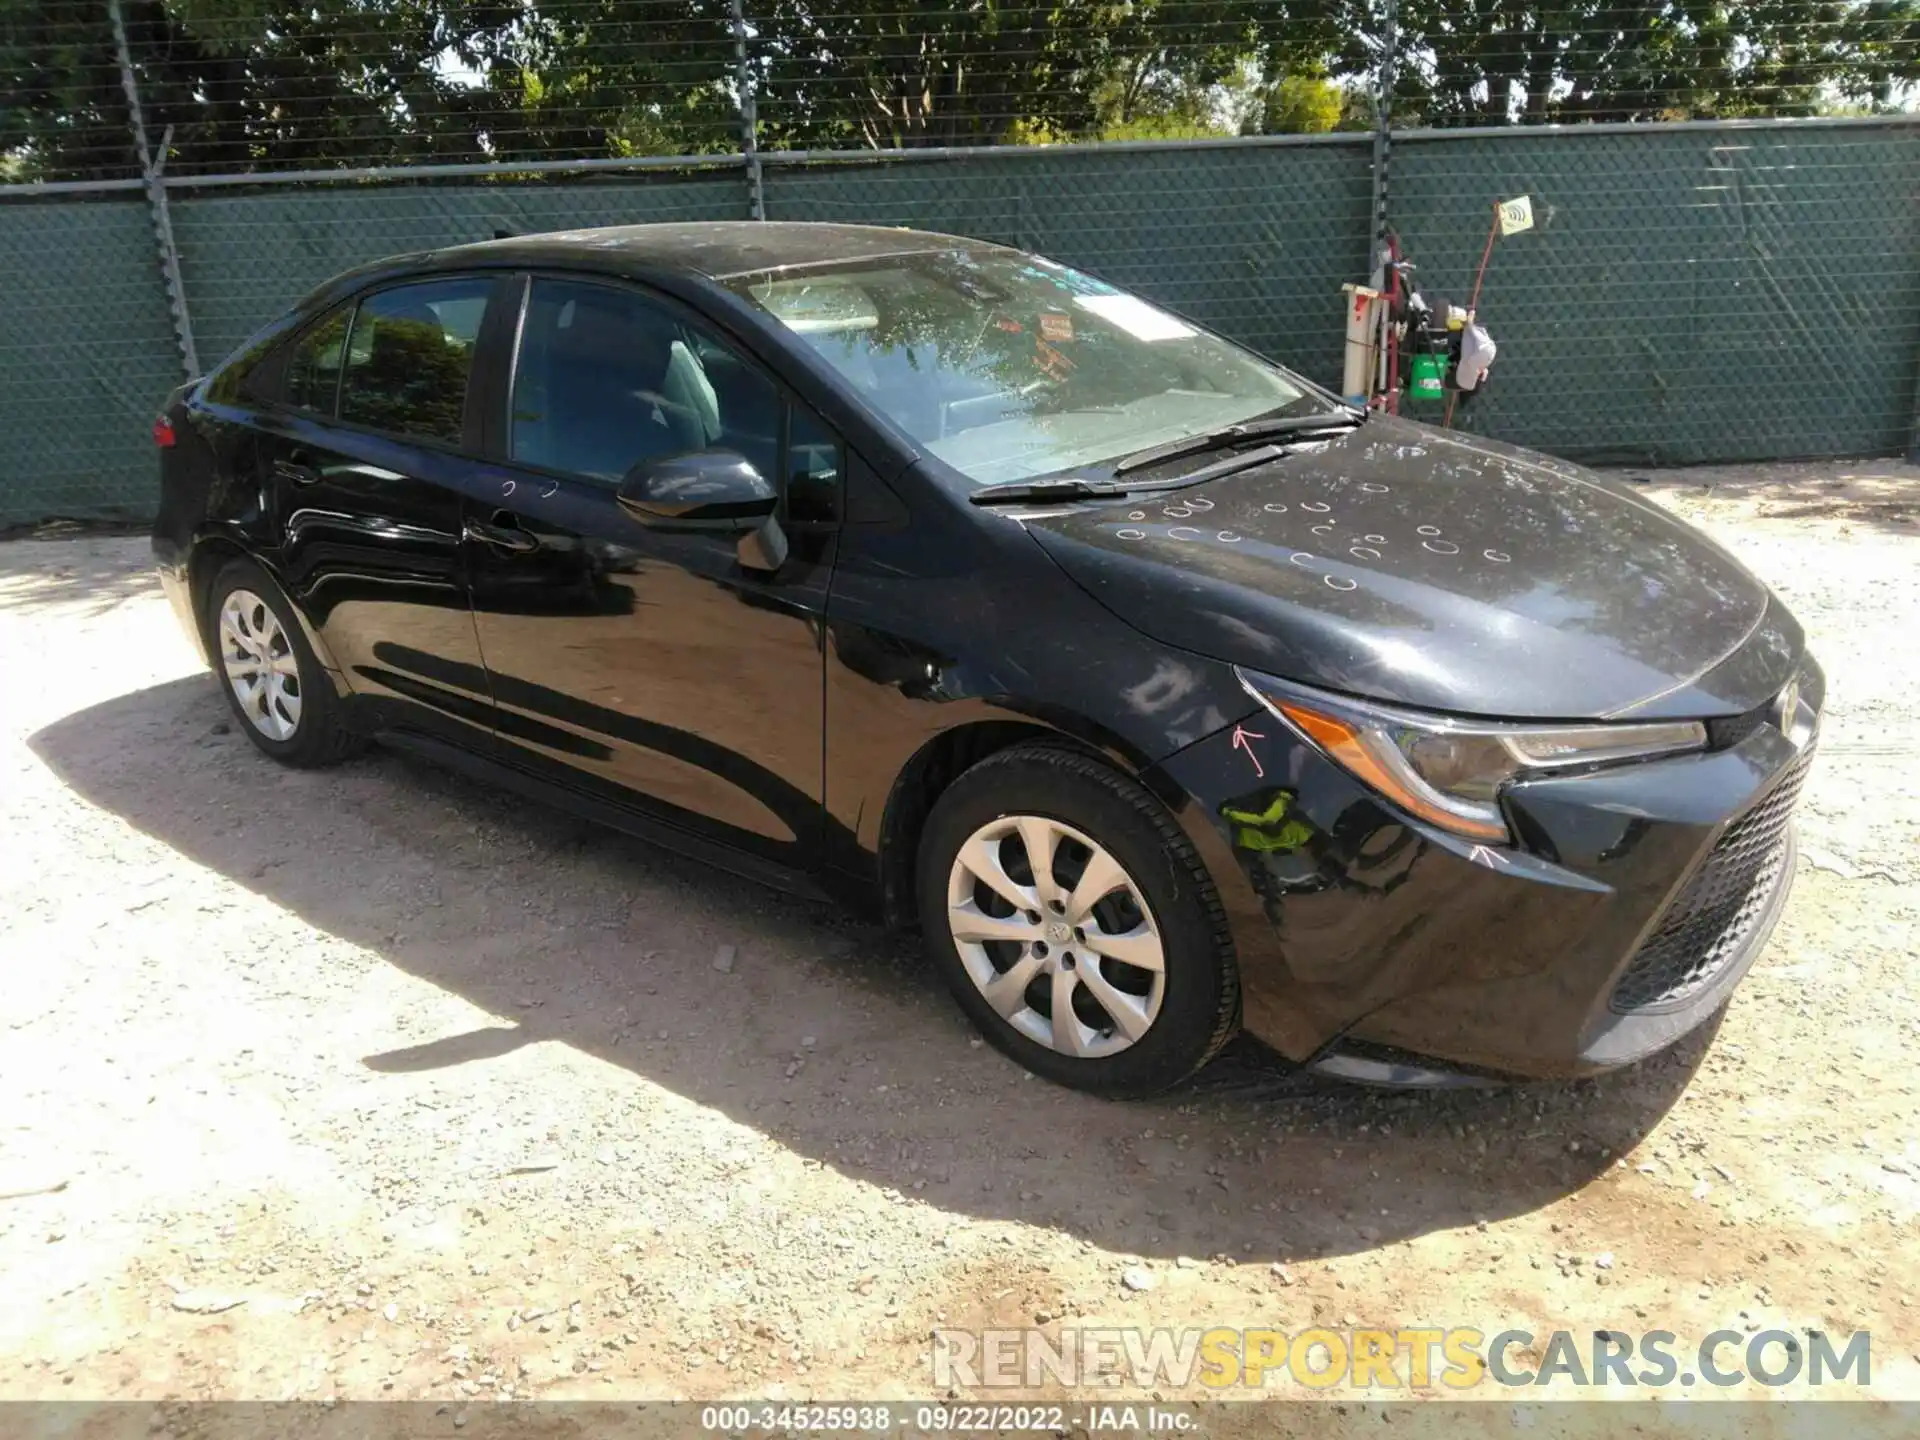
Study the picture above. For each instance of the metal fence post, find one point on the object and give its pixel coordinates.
(749, 114)
(151, 168)
(1383, 140)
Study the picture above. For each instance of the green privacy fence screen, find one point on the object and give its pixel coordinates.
(85, 352)
(1689, 293)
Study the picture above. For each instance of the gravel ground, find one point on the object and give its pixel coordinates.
(374, 1083)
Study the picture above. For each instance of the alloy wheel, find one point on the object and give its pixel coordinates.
(260, 665)
(1056, 935)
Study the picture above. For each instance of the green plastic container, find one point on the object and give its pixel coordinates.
(1427, 377)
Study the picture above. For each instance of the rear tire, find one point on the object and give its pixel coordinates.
(1123, 930)
(275, 685)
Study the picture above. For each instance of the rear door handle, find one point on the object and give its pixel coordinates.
(294, 471)
(501, 537)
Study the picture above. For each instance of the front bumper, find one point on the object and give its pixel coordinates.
(1634, 902)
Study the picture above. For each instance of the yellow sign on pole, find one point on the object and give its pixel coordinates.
(1516, 215)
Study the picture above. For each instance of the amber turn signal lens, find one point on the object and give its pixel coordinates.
(1381, 765)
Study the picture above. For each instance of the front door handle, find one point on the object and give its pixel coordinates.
(296, 473)
(502, 537)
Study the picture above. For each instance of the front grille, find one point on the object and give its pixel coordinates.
(1710, 921)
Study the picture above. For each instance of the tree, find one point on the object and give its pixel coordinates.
(879, 74)
(275, 84)
(64, 117)
(608, 78)
(1494, 62)
(244, 84)
(1302, 104)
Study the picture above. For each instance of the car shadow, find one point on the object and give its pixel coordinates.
(827, 1034)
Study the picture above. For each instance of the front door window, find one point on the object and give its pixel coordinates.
(607, 378)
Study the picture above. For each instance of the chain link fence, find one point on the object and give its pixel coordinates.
(1689, 293)
(1698, 286)
(85, 355)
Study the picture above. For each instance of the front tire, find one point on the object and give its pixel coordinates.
(1075, 923)
(275, 685)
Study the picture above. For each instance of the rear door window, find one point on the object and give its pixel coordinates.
(409, 357)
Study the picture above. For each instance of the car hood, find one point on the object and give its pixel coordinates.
(1411, 565)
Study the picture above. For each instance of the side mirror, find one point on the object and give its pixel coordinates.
(718, 491)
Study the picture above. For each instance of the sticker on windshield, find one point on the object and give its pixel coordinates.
(1135, 316)
(1056, 327)
(1051, 361)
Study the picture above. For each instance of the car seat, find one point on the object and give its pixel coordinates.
(606, 404)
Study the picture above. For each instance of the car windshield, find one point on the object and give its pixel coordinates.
(1008, 366)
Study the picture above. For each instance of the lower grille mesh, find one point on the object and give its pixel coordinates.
(1711, 919)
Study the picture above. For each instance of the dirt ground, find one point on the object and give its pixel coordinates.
(374, 1083)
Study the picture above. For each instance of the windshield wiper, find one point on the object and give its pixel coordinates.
(1233, 434)
(1068, 487)
(1017, 492)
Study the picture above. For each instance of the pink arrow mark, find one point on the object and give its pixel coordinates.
(1241, 737)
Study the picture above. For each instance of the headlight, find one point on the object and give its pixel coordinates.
(1450, 772)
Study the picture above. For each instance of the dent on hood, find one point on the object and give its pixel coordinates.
(1397, 560)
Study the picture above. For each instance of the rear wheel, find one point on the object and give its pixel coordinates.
(274, 684)
(1075, 924)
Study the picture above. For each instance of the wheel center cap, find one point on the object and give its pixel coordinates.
(1059, 932)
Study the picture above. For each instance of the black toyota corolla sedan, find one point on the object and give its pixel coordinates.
(1163, 691)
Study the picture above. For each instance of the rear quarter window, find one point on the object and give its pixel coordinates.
(313, 367)
(251, 377)
(298, 369)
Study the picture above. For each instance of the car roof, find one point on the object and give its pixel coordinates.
(717, 250)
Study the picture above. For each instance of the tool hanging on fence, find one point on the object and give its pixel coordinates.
(1447, 352)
